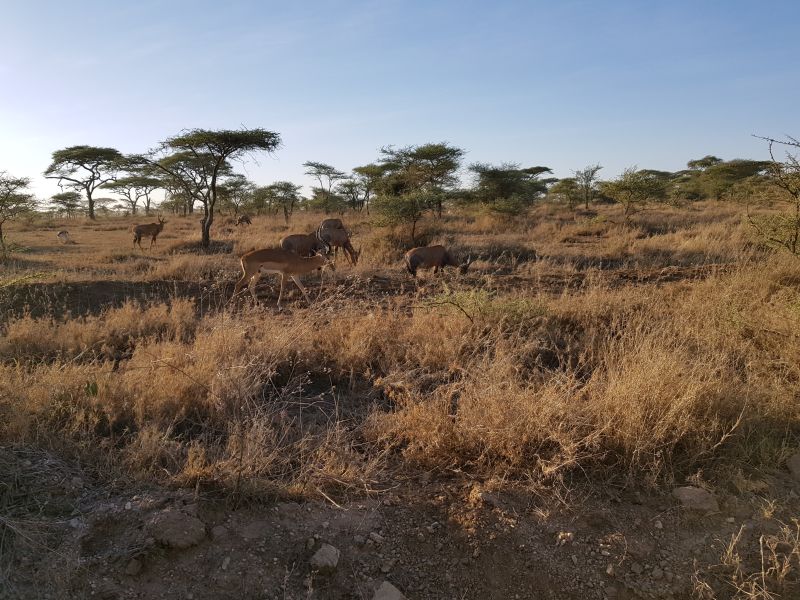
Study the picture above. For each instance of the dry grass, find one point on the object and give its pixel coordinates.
(575, 346)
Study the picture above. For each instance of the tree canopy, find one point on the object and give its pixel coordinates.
(14, 200)
(84, 168)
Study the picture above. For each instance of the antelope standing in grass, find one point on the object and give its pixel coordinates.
(281, 262)
(304, 244)
(435, 257)
(150, 229)
(243, 219)
(333, 233)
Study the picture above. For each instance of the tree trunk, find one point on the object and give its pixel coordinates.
(205, 225)
(91, 204)
(2, 239)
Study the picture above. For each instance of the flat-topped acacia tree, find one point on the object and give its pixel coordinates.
(84, 168)
(195, 161)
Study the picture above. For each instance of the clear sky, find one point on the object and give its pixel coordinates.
(562, 84)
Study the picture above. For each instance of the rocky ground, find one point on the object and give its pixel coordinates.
(64, 536)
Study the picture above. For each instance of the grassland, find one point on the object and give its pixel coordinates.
(576, 352)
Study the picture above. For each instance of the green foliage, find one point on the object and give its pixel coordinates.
(429, 169)
(634, 189)
(586, 180)
(281, 195)
(327, 176)
(566, 191)
(68, 203)
(15, 201)
(507, 189)
(404, 210)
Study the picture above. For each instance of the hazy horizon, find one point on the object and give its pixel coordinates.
(562, 86)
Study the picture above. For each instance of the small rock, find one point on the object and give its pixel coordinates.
(376, 537)
(658, 524)
(310, 542)
(793, 464)
(656, 573)
(326, 559)
(359, 539)
(636, 568)
(388, 592)
(574, 560)
(134, 567)
(128, 506)
(610, 570)
(226, 563)
(219, 532)
(176, 529)
(694, 498)
(730, 520)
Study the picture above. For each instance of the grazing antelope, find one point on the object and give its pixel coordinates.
(243, 219)
(282, 262)
(304, 244)
(436, 257)
(150, 229)
(63, 236)
(333, 233)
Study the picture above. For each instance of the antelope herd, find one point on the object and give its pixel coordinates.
(302, 253)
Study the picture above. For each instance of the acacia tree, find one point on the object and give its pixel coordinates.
(429, 168)
(14, 201)
(352, 190)
(566, 190)
(507, 189)
(285, 195)
(586, 181)
(634, 189)
(368, 177)
(782, 230)
(405, 209)
(236, 191)
(327, 176)
(84, 168)
(67, 202)
(195, 162)
(138, 185)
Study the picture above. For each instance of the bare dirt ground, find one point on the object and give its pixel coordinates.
(433, 537)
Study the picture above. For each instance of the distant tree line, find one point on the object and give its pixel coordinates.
(194, 170)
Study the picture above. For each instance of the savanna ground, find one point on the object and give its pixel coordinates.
(515, 432)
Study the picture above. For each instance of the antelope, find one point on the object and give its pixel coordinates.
(63, 236)
(243, 219)
(436, 257)
(332, 233)
(281, 262)
(150, 229)
(304, 244)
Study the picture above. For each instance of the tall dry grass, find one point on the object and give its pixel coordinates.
(575, 347)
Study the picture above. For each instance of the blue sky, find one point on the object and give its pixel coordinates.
(561, 84)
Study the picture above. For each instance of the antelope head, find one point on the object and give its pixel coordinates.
(462, 268)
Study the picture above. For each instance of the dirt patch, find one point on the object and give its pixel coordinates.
(431, 538)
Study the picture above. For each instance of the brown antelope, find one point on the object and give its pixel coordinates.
(333, 233)
(281, 262)
(243, 219)
(150, 229)
(63, 236)
(436, 257)
(304, 244)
